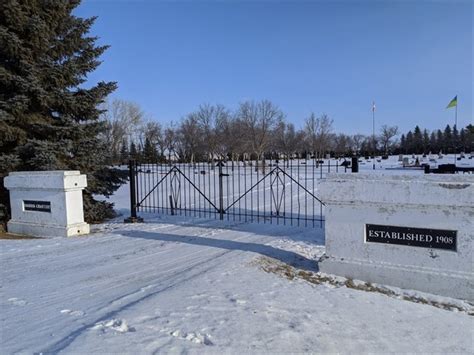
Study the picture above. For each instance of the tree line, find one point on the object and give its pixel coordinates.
(257, 130)
(449, 140)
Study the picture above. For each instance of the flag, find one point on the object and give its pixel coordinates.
(373, 106)
(453, 102)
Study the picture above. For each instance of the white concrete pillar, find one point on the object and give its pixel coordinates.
(46, 203)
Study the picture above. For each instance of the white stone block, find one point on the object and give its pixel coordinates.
(46, 203)
(437, 202)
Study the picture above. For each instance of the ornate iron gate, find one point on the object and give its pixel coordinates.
(282, 193)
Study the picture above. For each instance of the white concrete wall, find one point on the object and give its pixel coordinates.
(63, 189)
(425, 201)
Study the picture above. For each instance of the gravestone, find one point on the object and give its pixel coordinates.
(409, 231)
(46, 203)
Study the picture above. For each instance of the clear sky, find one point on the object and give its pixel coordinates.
(411, 57)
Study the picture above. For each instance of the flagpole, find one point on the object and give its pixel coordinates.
(455, 125)
(373, 134)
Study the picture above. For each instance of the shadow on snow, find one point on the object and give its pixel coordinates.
(288, 257)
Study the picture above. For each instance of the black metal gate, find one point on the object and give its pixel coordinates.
(280, 192)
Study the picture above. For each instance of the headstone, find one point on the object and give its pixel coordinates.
(409, 231)
(355, 165)
(406, 161)
(446, 169)
(46, 203)
(400, 157)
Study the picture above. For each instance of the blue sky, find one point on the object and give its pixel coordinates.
(411, 57)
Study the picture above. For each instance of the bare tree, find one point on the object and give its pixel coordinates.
(387, 133)
(151, 131)
(259, 120)
(189, 138)
(357, 141)
(170, 141)
(212, 120)
(342, 144)
(287, 140)
(318, 133)
(123, 119)
(311, 132)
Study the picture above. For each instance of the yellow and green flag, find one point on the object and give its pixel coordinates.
(453, 102)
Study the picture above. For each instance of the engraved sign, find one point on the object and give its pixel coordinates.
(415, 237)
(38, 206)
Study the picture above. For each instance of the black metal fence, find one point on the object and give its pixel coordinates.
(281, 192)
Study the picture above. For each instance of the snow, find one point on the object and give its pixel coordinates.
(182, 285)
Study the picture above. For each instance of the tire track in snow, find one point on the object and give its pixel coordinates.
(185, 275)
(130, 277)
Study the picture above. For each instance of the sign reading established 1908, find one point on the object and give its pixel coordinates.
(39, 206)
(417, 237)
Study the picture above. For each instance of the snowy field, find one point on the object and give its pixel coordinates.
(177, 284)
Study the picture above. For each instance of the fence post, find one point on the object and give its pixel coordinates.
(221, 191)
(133, 196)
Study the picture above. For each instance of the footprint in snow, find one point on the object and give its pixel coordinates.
(119, 325)
(199, 295)
(17, 301)
(237, 301)
(72, 313)
(196, 338)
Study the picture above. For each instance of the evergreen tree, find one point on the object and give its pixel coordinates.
(403, 147)
(409, 143)
(134, 155)
(124, 153)
(440, 141)
(447, 139)
(150, 154)
(433, 142)
(462, 140)
(455, 138)
(48, 121)
(417, 141)
(426, 141)
(470, 138)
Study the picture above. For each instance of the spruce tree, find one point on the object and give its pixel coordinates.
(462, 140)
(403, 143)
(470, 138)
(440, 140)
(409, 143)
(150, 154)
(433, 142)
(455, 139)
(124, 154)
(448, 139)
(49, 120)
(134, 154)
(426, 141)
(417, 141)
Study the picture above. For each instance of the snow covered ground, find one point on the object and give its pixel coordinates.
(176, 284)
